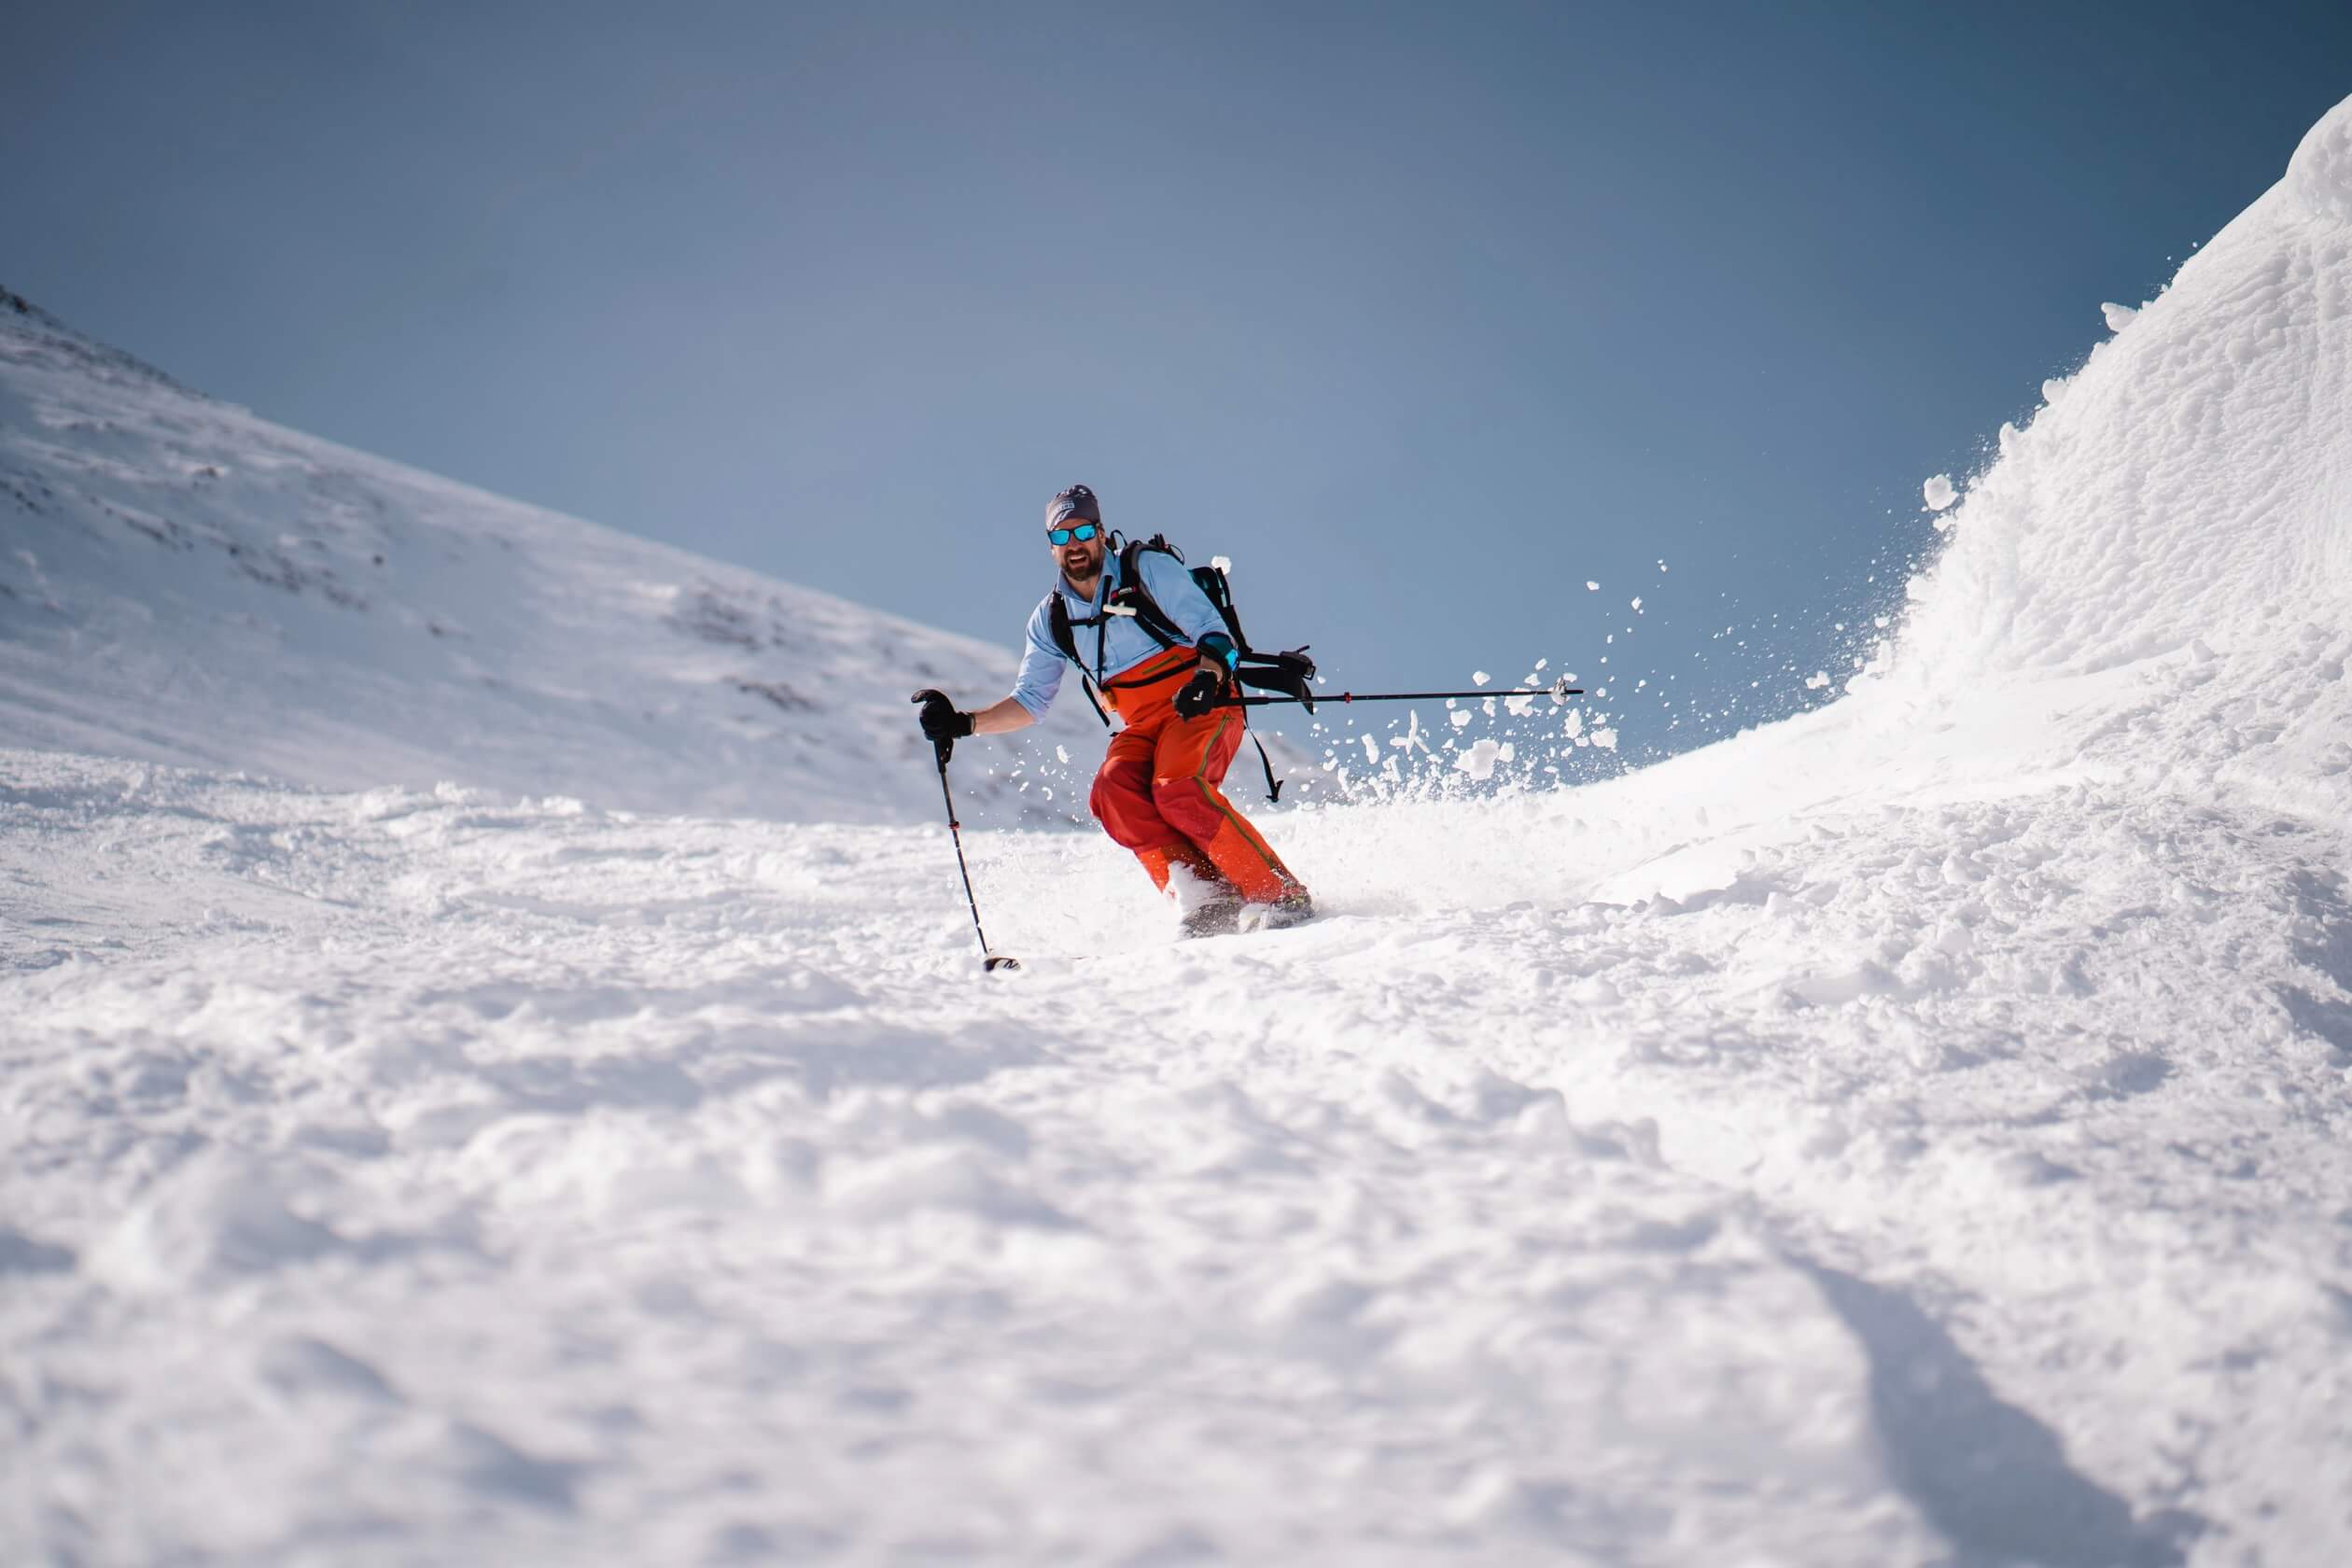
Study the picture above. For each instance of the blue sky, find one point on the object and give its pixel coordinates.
(1424, 315)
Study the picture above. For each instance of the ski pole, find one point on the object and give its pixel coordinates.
(1556, 692)
(989, 962)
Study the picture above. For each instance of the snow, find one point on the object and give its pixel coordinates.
(1914, 1132)
(1480, 759)
(2320, 177)
(355, 622)
(2117, 317)
(1939, 493)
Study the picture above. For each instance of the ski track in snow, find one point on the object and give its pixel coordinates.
(1913, 1133)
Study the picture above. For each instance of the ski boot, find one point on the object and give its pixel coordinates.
(1291, 909)
(1216, 917)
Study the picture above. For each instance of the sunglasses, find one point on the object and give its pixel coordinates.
(1080, 534)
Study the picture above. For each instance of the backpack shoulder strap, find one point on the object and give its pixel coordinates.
(1065, 638)
(1136, 597)
(1058, 625)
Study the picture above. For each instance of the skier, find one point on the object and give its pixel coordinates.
(1157, 793)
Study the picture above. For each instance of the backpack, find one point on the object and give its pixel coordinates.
(1287, 674)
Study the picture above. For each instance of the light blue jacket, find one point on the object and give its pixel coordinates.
(1118, 645)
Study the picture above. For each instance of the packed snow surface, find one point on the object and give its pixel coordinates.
(1917, 1133)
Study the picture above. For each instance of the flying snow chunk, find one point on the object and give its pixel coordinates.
(1478, 762)
(2117, 316)
(1816, 680)
(1479, 677)
(1591, 587)
(2053, 389)
(1940, 492)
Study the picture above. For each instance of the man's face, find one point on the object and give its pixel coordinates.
(1080, 558)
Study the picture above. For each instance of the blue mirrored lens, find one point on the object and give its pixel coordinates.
(1082, 533)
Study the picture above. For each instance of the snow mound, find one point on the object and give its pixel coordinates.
(2320, 173)
(2194, 486)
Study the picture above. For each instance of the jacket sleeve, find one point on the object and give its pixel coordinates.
(1170, 584)
(1042, 662)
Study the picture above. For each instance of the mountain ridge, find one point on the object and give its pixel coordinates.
(187, 583)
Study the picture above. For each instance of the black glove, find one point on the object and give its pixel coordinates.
(1200, 694)
(943, 725)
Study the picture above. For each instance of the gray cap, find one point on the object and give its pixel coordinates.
(1076, 501)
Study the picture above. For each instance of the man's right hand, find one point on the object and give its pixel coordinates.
(943, 725)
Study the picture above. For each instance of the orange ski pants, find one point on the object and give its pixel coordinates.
(1157, 792)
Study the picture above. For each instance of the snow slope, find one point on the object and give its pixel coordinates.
(1918, 1133)
(183, 583)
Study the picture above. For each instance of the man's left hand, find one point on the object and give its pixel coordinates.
(1200, 694)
